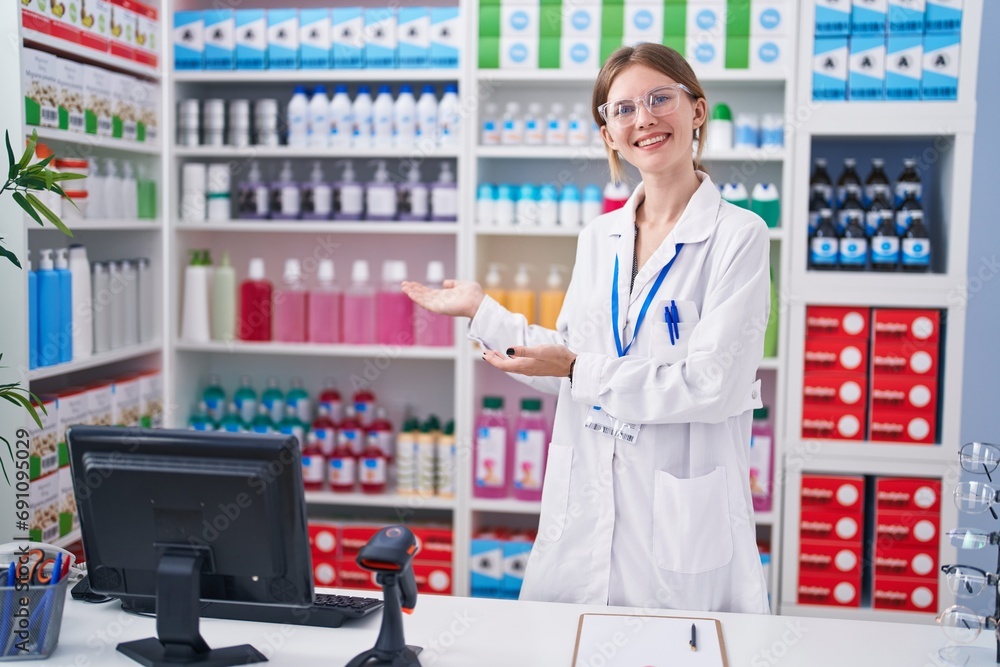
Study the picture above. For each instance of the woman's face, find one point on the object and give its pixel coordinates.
(653, 144)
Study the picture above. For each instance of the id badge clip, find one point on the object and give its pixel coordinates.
(600, 421)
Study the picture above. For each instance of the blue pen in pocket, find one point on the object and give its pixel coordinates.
(676, 319)
(668, 318)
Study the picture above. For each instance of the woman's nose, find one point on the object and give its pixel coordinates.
(643, 118)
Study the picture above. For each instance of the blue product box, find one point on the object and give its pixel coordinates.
(314, 38)
(906, 17)
(414, 37)
(904, 64)
(866, 80)
(283, 38)
(220, 39)
(347, 35)
(515, 560)
(381, 47)
(445, 33)
(941, 58)
(943, 16)
(830, 68)
(833, 18)
(251, 39)
(486, 567)
(189, 40)
(868, 17)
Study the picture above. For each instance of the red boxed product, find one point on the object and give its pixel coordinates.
(904, 392)
(916, 326)
(435, 543)
(325, 573)
(901, 528)
(904, 358)
(817, 556)
(904, 593)
(836, 493)
(837, 322)
(836, 354)
(894, 561)
(354, 536)
(833, 422)
(352, 575)
(908, 493)
(835, 388)
(324, 538)
(432, 577)
(828, 589)
(830, 525)
(906, 426)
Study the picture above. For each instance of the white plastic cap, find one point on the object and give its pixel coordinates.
(435, 272)
(79, 251)
(359, 271)
(325, 273)
(534, 108)
(62, 258)
(394, 271)
(293, 270)
(493, 275)
(446, 175)
(554, 280)
(513, 107)
(491, 109)
(45, 260)
(521, 278)
(256, 271)
(286, 172)
(558, 109)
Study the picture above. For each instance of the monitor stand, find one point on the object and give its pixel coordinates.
(178, 640)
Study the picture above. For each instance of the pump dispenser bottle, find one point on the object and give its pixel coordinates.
(393, 309)
(381, 195)
(223, 300)
(492, 287)
(252, 196)
(255, 304)
(348, 195)
(317, 196)
(413, 197)
(285, 204)
(444, 196)
(521, 299)
(551, 300)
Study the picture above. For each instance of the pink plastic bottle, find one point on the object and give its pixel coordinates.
(359, 307)
(761, 460)
(393, 309)
(290, 306)
(325, 305)
(531, 448)
(342, 469)
(432, 328)
(491, 465)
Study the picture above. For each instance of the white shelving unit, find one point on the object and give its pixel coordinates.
(308, 227)
(92, 142)
(97, 361)
(75, 51)
(287, 152)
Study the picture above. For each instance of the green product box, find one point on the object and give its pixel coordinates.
(613, 21)
(489, 21)
(489, 53)
(737, 52)
(675, 23)
(548, 52)
(738, 18)
(550, 22)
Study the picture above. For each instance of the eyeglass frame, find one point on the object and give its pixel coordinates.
(986, 470)
(984, 622)
(602, 109)
(995, 500)
(992, 579)
(992, 537)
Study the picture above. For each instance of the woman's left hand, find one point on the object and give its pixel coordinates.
(537, 361)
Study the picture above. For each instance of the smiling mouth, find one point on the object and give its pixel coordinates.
(660, 138)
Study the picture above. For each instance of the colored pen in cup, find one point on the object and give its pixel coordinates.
(694, 640)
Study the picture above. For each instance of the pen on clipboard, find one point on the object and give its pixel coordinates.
(694, 640)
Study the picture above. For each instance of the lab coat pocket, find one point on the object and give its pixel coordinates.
(691, 525)
(667, 349)
(555, 493)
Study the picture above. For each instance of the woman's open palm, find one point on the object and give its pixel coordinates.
(458, 298)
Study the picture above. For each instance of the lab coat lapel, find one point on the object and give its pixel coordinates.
(624, 230)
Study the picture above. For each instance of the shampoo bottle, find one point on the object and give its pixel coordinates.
(348, 195)
(325, 305)
(195, 320)
(490, 465)
(252, 196)
(285, 196)
(530, 451)
(492, 284)
(380, 197)
(359, 307)
(521, 299)
(413, 200)
(393, 309)
(32, 317)
(49, 316)
(224, 302)
(317, 195)
(65, 331)
(551, 300)
(444, 196)
(290, 306)
(83, 303)
(255, 304)
(433, 329)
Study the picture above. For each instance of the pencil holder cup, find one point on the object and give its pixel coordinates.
(30, 619)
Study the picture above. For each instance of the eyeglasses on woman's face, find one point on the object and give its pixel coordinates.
(659, 102)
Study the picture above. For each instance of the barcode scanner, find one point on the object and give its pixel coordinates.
(389, 553)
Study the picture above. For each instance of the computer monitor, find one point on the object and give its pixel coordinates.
(185, 516)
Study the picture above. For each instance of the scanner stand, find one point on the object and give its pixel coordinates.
(390, 648)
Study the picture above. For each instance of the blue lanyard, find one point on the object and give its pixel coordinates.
(645, 306)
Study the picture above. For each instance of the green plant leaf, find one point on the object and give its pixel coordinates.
(23, 203)
(2, 466)
(66, 176)
(52, 217)
(11, 256)
(22, 401)
(12, 169)
(29, 150)
(44, 163)
(30, 182)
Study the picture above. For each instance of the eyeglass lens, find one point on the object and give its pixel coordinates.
(975, 497)
(963, 538)
(658, 102)
(980, 457)
(966, 581)
(960, 624)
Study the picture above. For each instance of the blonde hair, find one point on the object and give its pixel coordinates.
(661, 58)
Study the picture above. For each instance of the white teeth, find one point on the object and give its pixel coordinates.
(651, 141)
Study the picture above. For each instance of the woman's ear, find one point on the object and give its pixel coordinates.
(700, 112)
(608, 138)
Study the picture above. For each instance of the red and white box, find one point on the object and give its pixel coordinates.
(901, 528)
(432, 577)
(836, 354)
(837, 493)
(325, 573)
(832, 422)
(894, 561)
(832, 526)
(904, 392)
(435, 543)
(915, 326)
(903, 426)
(918, 494)
(891, 357)
(353, 536)
(829, 590)
(324, 539)
(904, 593)
(834, 388)
(821, 557)
(837, 322)
(352, 575)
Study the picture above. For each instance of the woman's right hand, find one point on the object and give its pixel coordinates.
(458, 298)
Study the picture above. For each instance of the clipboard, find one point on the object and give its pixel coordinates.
(622, 640)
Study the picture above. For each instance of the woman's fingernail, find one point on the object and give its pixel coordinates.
(510, 352)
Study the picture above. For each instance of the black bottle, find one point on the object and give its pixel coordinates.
(916, 245)
(905, 212)
(849, 181)
(820, 182)
(908, 182)
(878, 210)
(877, 182)
(823, 246)
(817, 202)
(853, 255)
(885, 245)
(851, 206)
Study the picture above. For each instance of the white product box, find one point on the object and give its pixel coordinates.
(220, 39)
(99, 404)
(445, 35)
(126, 401)
(705, 17)
(381, 45)
(643, 21)
(147, 34)
(65, 18)
(830, 68)
(95, 24)
(706, 52)
(71, 96)
(41, 88)
(580, 53)
(43, 443)
(833, 18)
(868, 17)
(347, 35)
(149, 113)
(283, 38)
(151, 397)
(518, 53)
(125, 97)
(72, 407)
(941, 59)
(581, 20)
(414, 37)
(943, 16)
(906, 17)
(251, 39)
(43, 497)
(189, 40)
(866, 80)
(769, 18)
(314, 38)
(904, 63)
(123, 24)
(520, 19)
(769, 54)
(69, 517)
(97, 100)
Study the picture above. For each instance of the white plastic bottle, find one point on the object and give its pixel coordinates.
(298, 118)
(130, 304)
(380, 199)
(526, 209)
(484, 205)
(363, 119)
(491, 127)
(319, 119)
(444, 196)
(405, 118)
(289, 206)
(147, 302)
(100, 284)
(555, 127)
(95, 185)
(317, 195)
(511, 131)
(548, 206)
(569, 207)
(348, 195)
(382, 113)
(593, 204)
(341, 118)
(83, 303)
(427, 117)
(129, 192)
(413, 197)
(112, 191)
(503, 206)
(534, 128)
(578, 132)
(449, 118)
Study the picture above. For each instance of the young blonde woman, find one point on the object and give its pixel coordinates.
(646, 500)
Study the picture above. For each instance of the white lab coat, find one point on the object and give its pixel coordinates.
(667, 521)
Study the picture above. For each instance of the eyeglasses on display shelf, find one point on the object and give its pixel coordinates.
(962, 625)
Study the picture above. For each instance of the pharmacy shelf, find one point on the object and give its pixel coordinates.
(313, 76)
(324, 227)
(93, 141)
(598, 153)
(856, 614)
(889, 119)
(868, 458)
(769, 364)
(95, 361)
(103, 226)
(388, 501)
(550, 76)
(763, 518)
(506, 506)
(777, 233)
(261, 152)
(68, 539)
(568, 232)
(77, 52)
(867, 288)
(317, 350)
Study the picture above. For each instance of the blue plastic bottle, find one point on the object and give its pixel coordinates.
(32, 318)
(65, 306)
(48, 310)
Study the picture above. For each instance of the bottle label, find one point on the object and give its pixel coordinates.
(426, 468)
(216, 408)
(276, 408)
(844, 216)
(342, 472)
(903, 220)
(904, 188)
(327, 439)
(491, 457)
(350, 437)
(364, 411)
(885, 250)
(916, 252)
(312, 469)
(445, 469)
(334, 409)
(303, 409)
(247, 408)
(373, 470)
(872, 191)
(873, 219)
(825, 190)
(528, 463)
(843, 190)
(385, 441)
(813, 221)
(853, 252)
(296, 431)
(823, 251)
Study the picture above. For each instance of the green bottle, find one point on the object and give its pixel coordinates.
(274, 400)
(224, 301)
(298, 398)
(262, 423)
(246, 400)
(214, 397)
(771, 332)
(200, 420)
(232, 423)
(292, 425)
